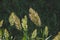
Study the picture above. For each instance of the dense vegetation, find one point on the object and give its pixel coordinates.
(29, 19)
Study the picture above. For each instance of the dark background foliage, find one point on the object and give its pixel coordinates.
(48, 11)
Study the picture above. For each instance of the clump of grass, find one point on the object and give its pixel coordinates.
(34, 17)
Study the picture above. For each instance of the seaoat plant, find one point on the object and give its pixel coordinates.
(6, 34)
(34, 17)
(34, 34)
(14, 20)
(24, 25)
(46, 31)
(36, 20)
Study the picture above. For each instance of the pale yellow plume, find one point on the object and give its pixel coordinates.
(34, 17)
(13, 19)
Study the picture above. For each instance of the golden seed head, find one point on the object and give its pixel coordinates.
(46, 31)
(34, 17)
(6, 33)
(14, 20)
(34, 33)
(24, 22)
